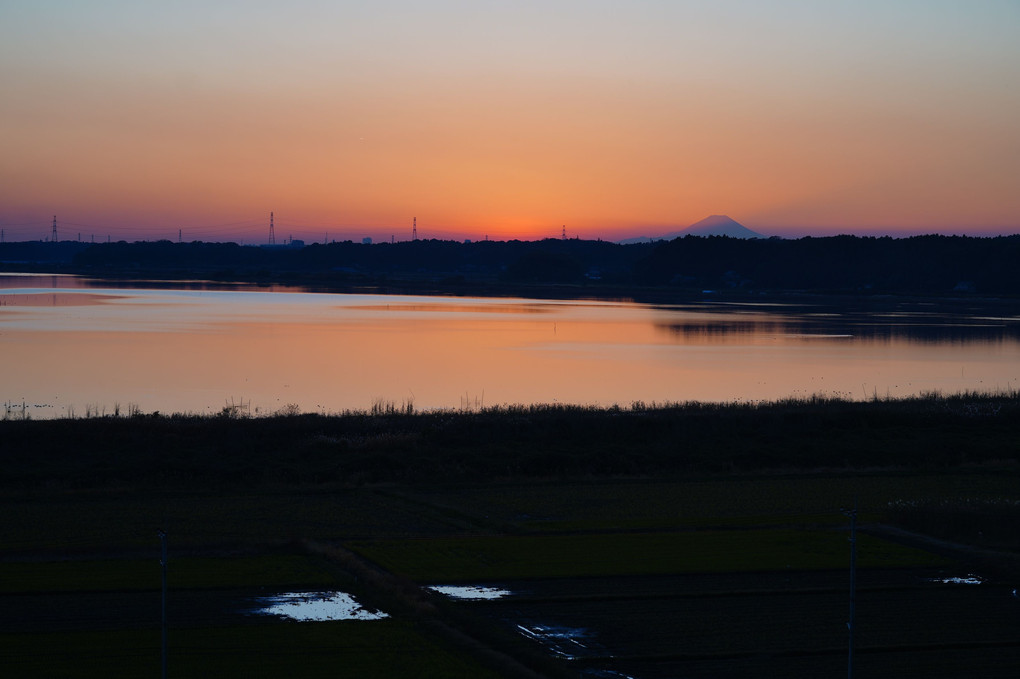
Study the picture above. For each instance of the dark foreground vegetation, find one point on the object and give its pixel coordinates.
(686, 540)
(840, 264)
(397, 445)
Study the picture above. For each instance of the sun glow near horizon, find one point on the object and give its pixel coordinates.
(509, 120)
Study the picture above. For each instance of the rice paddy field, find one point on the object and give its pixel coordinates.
(712, 565)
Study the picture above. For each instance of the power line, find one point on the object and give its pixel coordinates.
(25, 224)
(233, 230)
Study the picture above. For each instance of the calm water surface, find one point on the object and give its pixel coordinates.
(69, 347)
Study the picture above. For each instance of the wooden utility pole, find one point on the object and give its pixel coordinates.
(852, 513)
(162, 563)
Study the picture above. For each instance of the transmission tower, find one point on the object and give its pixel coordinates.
(564, 235)
(272, 230)
(53, 235)
(414, 229)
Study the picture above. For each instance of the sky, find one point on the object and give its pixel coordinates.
(607, 119)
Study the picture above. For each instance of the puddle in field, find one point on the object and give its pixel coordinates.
(564, 642)
(315, 607)
(471, 592)
(970, 579)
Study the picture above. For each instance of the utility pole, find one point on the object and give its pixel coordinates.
(162, 563)
(852, 513)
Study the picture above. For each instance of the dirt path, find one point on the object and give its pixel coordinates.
(487, 644)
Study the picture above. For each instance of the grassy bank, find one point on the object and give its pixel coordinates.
(398, 446)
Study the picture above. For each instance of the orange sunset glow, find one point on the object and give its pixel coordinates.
(511, 120)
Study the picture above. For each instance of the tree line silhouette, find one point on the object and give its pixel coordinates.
(922, 264)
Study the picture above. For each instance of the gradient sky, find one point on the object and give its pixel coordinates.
(615, 118)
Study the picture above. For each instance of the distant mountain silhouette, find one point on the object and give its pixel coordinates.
(716, 225)
(719, 225)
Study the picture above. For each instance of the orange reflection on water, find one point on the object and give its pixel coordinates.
(53, 299)
(199, 351)
(436, 307)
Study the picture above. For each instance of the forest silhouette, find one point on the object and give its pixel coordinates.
(840, 264)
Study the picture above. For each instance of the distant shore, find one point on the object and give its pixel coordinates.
(325, 283)
(681, 269)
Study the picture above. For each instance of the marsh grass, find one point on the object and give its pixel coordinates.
(396, 444)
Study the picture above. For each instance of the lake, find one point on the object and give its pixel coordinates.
(74, 346)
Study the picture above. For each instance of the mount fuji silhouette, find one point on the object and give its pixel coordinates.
(719, 225)
(716, 225)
